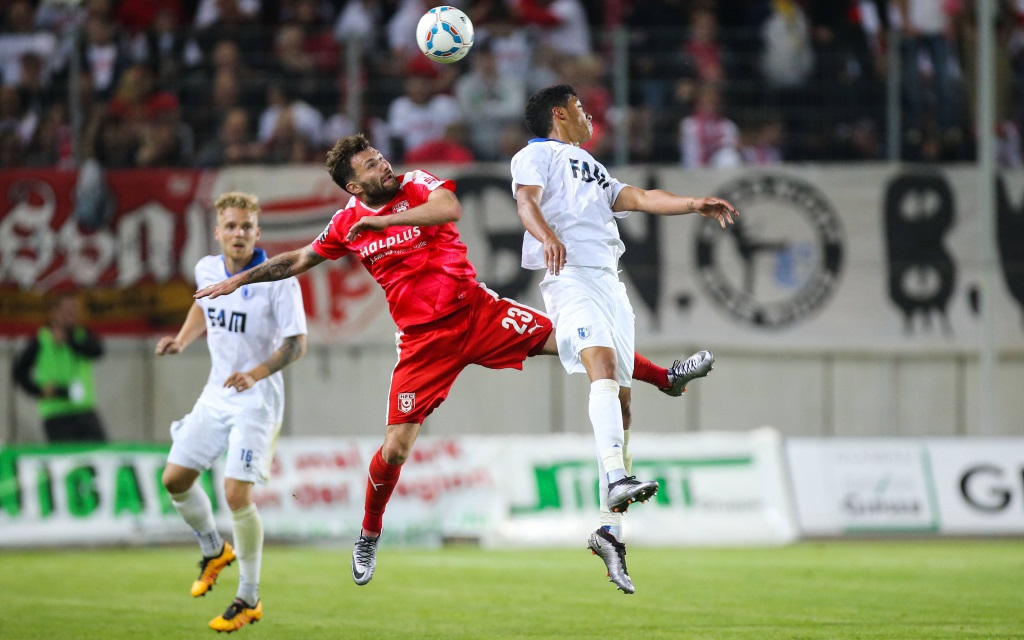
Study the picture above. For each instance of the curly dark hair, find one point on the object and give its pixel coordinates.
(339, 158)
(538, 107)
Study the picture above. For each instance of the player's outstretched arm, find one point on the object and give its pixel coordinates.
(528, 206)
(279, 267)
(665, 203)
(441, 207)
(194, 326)
(293, 348)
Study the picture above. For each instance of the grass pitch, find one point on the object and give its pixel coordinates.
(849, 590)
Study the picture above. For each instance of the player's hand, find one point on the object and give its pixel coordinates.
(240, 381)
(168, 345)
(368, 223)
(222, 288)
(554, 255)
(716, 208)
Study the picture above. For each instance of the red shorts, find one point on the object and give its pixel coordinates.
(492, 332)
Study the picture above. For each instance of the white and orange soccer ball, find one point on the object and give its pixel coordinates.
(445, 34)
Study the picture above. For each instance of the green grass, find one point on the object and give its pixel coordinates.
(848, 590)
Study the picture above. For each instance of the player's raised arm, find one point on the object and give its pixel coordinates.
(277, 268)
(441, 207)
(528, 206)
(665, 203)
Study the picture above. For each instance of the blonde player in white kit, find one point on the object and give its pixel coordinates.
(568, 203)
(252, 335)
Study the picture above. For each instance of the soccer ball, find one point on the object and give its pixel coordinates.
(445, 34)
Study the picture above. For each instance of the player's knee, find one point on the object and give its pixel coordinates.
(396, 452)
(175, 482)
(237, 494)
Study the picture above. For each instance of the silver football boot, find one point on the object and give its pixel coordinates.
(625, 492)
(613, 552)
(364, 559)
(683, 371)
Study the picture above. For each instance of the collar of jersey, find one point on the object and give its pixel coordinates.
(545, 140)
(258, 256)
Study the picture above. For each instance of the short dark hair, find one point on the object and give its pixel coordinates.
(339, 158)
(540, 104)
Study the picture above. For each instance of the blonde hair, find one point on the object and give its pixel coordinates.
(239, 200)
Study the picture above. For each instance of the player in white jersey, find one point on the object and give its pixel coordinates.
(568, 204)
(252, 335)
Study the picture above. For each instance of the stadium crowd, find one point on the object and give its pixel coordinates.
(144, 83)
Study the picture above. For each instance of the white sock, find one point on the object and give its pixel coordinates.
(627, 457)
(248, 532)
(606, 418)
(611, 522)
(197, 511)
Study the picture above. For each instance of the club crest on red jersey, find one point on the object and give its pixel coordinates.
(406, 402)
(400, 206)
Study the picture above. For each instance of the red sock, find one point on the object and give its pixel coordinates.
(646, 371)
(379, 485)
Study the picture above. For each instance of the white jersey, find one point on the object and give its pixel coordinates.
(242, 330)
(577, 203)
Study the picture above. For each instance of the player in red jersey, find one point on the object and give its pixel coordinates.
(403, 230)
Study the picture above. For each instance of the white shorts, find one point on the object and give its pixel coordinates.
(207, 432)
(589, 308)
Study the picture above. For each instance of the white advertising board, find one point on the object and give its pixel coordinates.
(956, 486)
(508, 491)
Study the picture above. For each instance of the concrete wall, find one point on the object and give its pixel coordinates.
(342, 390)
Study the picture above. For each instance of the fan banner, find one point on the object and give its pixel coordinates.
(497, 491)
(865, 257)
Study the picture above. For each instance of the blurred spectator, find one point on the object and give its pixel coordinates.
(489, 101)
(786, 65)
(421, 114)
(15, 118)
(401, 27)
(359, 19)
(53, 144)
(929, 55)
(451, 148)
(306, 120)
(234, 143)
(288, 125)
(301, 69)
(166, 47)
(55, 367)
(12, 152)
(35, 92)
(20, 36)
(703, 51)
(707, 138)
(569, 33)
(138, 16)
(763, 145)
(846, 87)
(508, 41)
(153, 117)
(212, 12)
(218, 20)
(103, 57)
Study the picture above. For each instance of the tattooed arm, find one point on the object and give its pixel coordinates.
(290, 350)
(277, 268)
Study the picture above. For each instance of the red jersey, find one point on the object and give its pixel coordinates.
(425, 271)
